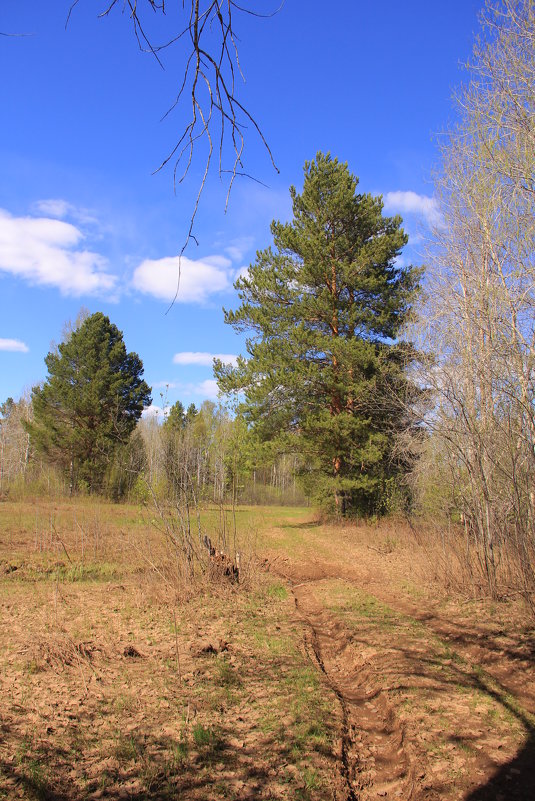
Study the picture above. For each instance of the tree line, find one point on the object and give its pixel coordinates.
(206, 453)
(320, 388)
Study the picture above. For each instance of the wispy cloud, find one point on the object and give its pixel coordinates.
(221, 262)
(164, 384)
(195, 280)
(238, 247)
(13, 346)
(412, 203)
(203, 359)
(262, 204)
(47, 252)
(59, 208)
(207, 389)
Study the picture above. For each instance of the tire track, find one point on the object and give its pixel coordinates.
(434, 703)
(375, 759)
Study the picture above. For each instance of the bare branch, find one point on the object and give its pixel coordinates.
(210, 69)
(15, 35)
(479, 317)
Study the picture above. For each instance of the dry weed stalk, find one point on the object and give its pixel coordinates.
(184, 556)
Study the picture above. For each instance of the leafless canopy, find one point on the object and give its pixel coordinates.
(479, 318)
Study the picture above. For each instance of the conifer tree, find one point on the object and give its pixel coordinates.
(176, 418)
(191, 414)
(325, 306)
(90, 402)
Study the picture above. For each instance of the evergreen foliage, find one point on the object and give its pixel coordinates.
(176, 419)
(7, 408)
(325, 373)
(90, 403)
(191, 413)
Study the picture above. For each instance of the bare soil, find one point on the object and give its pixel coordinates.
(339, 669)
(437, 692)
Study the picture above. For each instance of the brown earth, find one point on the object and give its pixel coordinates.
(341, 670)
(112, 688)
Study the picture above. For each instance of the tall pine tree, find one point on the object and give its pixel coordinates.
(90, 403)
(325, 370)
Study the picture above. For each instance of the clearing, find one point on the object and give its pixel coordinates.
(339, 670)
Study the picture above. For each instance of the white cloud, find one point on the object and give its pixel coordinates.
(203, 359)
(13, 346)
(198, 279)
(412, 203)
(154, 411)
(207, 389)
(46, 252)
(243, 272)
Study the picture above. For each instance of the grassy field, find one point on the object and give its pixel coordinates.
(112, 687)
(336, 668)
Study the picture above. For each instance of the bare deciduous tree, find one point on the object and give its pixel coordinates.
(479, 317)
(14, 441)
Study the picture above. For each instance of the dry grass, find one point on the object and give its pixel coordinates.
(439, 689)
(115, 685)
(120, 680)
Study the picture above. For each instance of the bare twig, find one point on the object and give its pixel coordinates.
(209, 79)
(177, 655)
(61, 543)
(15, 35)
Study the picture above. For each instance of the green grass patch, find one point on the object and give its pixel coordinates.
(277, 590)
(350, 602)
(101, 571)
(126, 748)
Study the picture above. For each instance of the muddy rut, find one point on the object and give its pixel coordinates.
(424, 715)
(375, 759)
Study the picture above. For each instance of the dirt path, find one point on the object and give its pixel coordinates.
(375, 760)
(435, 704)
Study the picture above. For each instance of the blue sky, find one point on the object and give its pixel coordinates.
(85, 222)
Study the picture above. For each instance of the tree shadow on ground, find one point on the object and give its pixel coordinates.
(305, 525)
(441, 672)
(213, 772)
(505, 655)
(211, 760)
(514, 781)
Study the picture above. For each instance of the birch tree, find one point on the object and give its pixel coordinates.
(14, 441)
(480, 311)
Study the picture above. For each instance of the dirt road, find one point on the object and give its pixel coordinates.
(437, 696)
